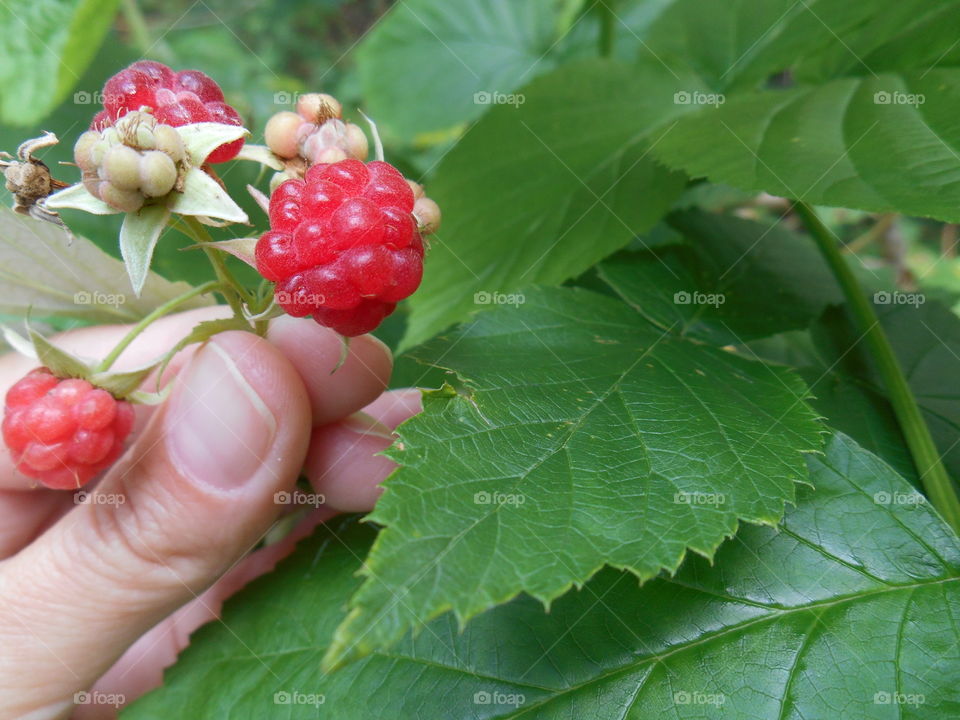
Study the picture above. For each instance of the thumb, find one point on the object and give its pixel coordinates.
(191, 497)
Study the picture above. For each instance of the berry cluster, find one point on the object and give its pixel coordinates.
(315, 132)
(63, 432)
(135, 159)
(343, 245)
(175, 99)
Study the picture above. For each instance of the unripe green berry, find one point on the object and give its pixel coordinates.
(330, 155)
(356, 142)
(124, 200)
(169, 141)
(97, 153)
(427, 213)
(92, 183)
(121, 166)
(416, 187)
(158, 174)
(82, 151)
(281, 133)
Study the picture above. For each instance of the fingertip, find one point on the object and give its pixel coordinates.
(395, 406)
(315, 352)
(344, 463)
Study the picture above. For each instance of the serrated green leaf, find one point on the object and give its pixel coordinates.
(734, 280)
(570, 182)
(203, 196)
(847, 612)
(925, 336)
(894, 35)
(138, 237)
(584, 437)
(884, 143)
(452, 57)
(740, 45)
(42, 272)
(846, 403)
(46, 46)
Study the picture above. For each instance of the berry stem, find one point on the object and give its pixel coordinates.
(230, 288)
(159, 312)
(607, 24)
(926, 457)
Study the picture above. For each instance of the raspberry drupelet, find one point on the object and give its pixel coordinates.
(343, 244)
(174, 98)
(63, 432)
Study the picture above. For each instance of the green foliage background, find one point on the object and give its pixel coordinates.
(714, 500)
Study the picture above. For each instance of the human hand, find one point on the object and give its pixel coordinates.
(103, 594)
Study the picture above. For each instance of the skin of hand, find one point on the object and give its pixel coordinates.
(100, 596)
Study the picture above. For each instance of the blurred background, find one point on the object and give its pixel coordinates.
(416, 71)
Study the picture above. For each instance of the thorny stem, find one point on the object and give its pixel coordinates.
(926, 458)
(159, 312)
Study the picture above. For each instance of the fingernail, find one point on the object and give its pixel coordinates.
(364, 424)
(219, 428)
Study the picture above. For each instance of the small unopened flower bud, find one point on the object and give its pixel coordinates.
(124, 200)
(329, 155)
(281, 133)
(158, 174)
(168, 141)
(427, 213)
(318, 107)
(118, 167)
(416, 187)
(121, 166)
(82, 151)
(356, 142)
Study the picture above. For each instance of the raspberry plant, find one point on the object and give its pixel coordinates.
(686, 336)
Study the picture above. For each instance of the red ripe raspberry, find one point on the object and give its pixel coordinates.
(343, 245)
(63, 432)
(174, 98)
